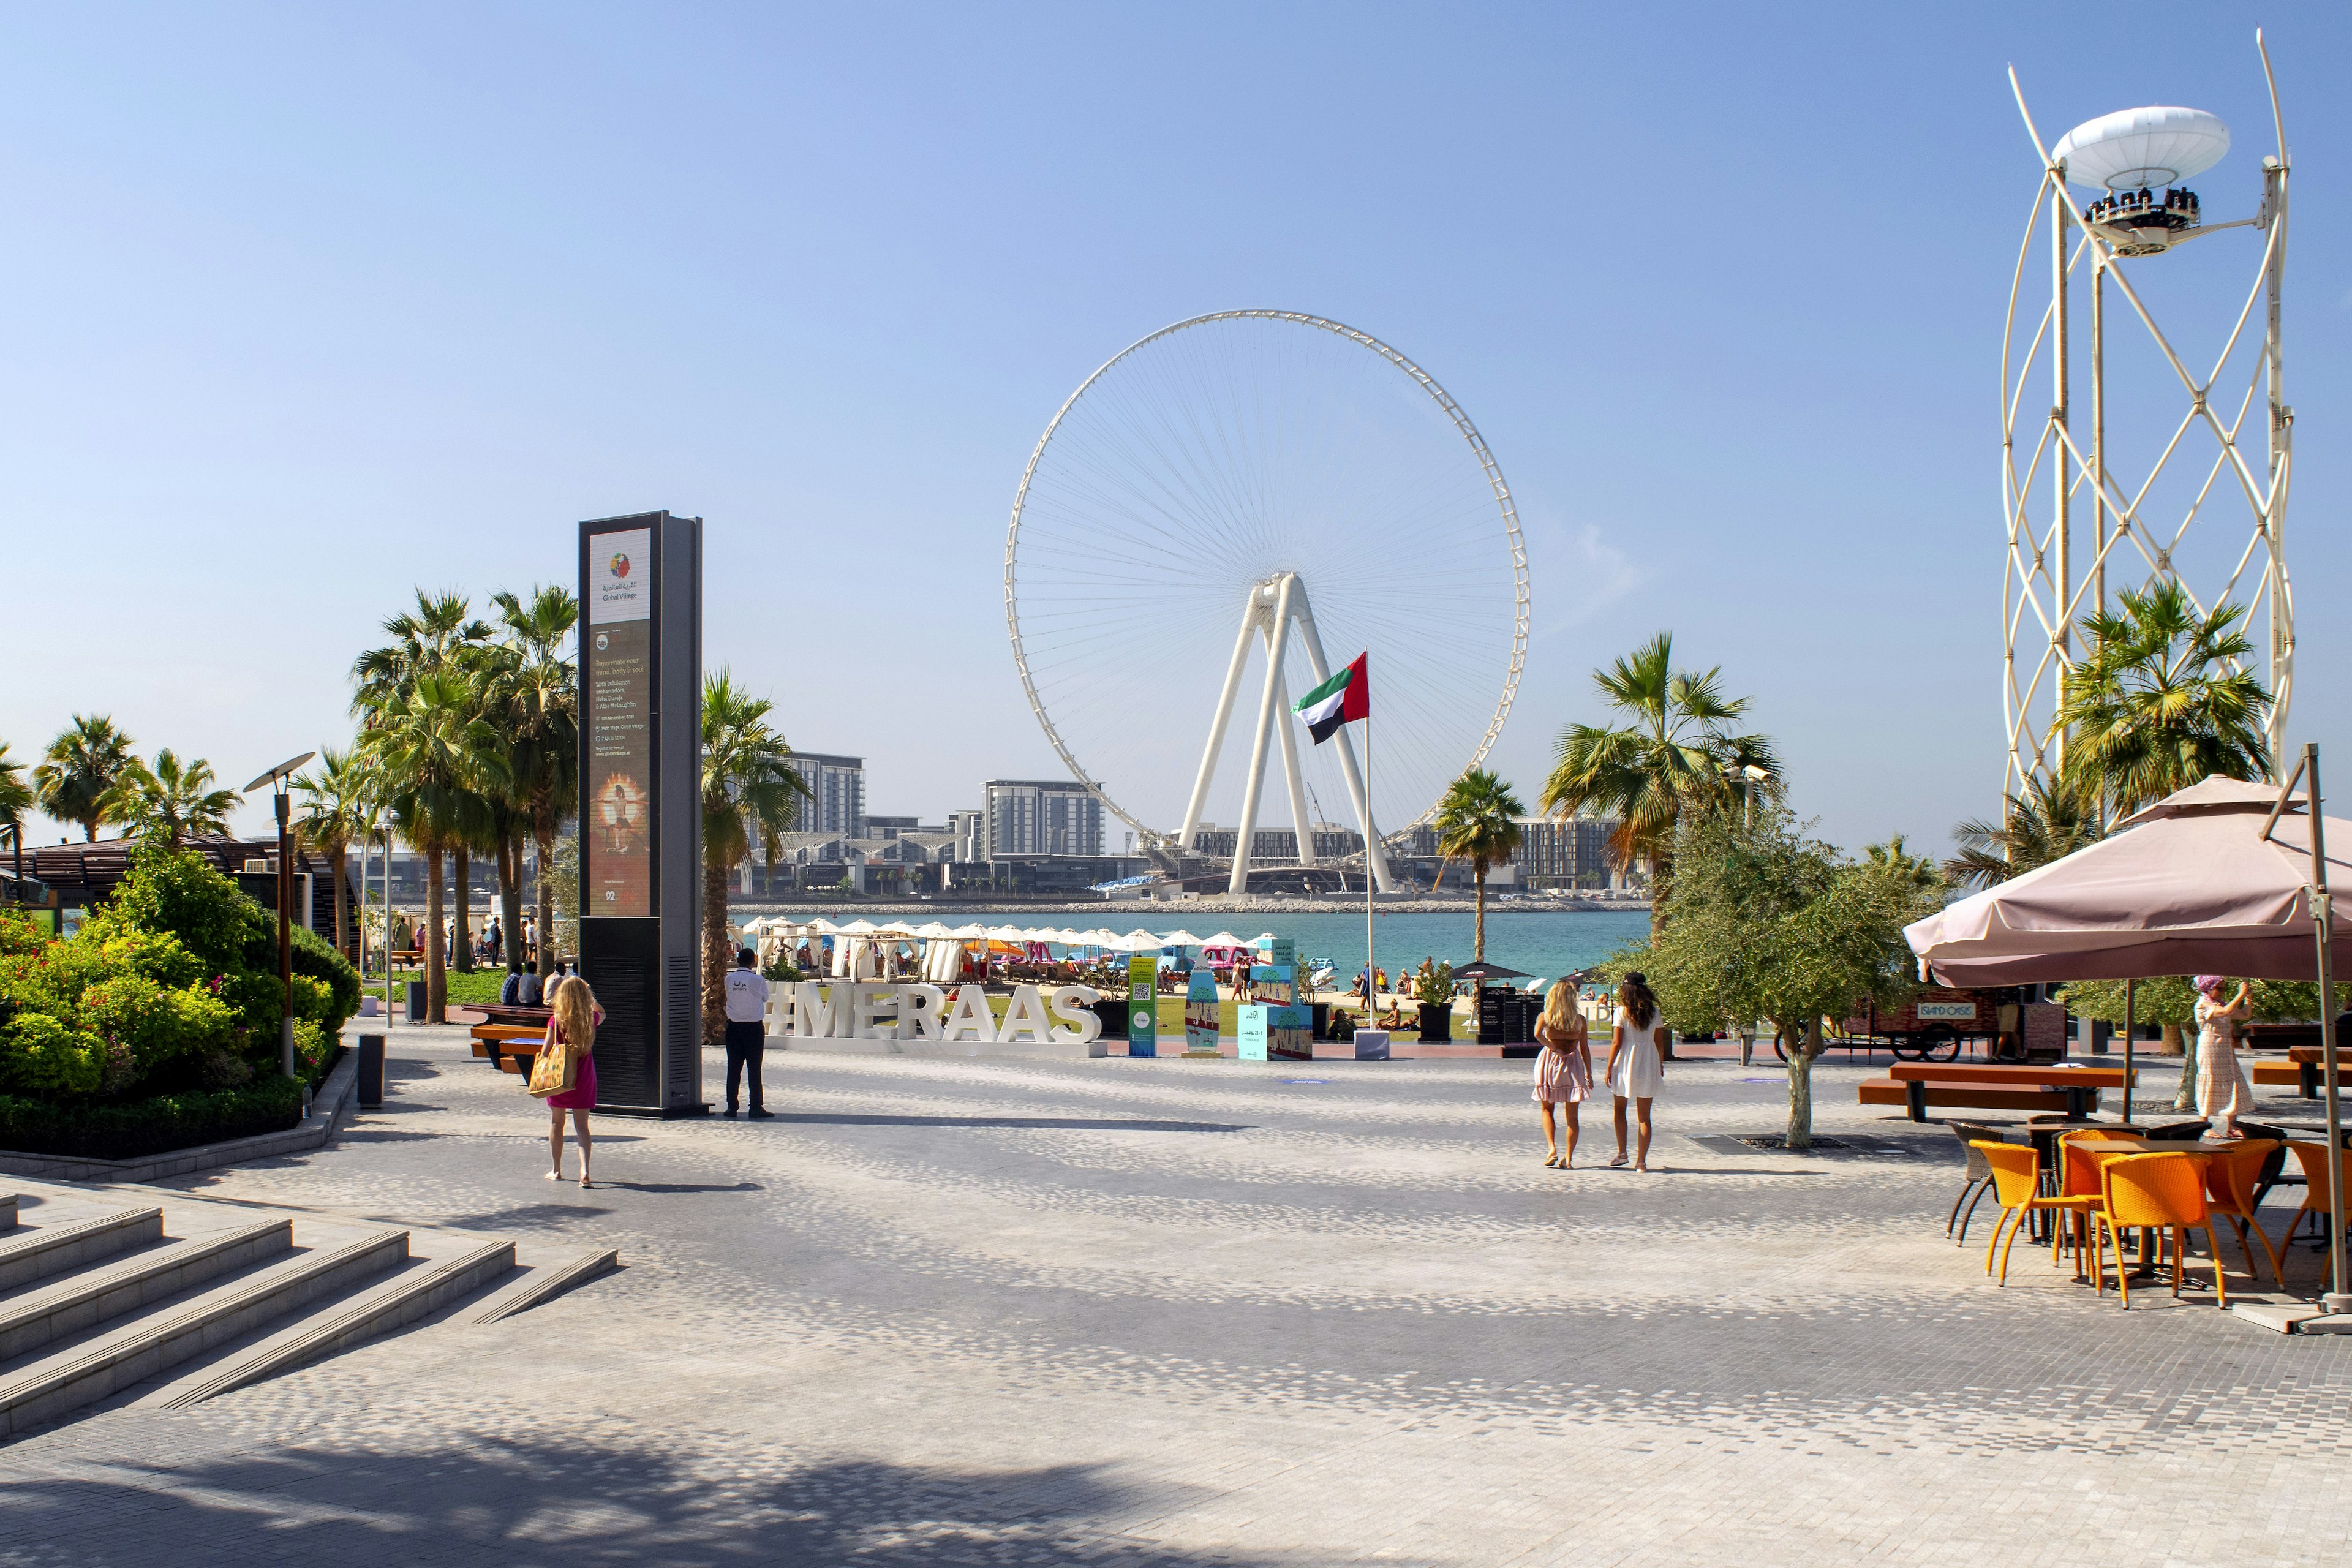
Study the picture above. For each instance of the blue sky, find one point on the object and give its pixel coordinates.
(312, 305)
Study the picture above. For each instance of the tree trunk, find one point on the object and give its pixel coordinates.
(509, 899)
(1478, 871)
(436, 982)
(715, 957)
(2184, 1096)
(1801, 1081)
(543, 911)
(338, 871)
(460, 937)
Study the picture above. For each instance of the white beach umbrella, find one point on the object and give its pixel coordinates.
(972, 932)
(1181, 939)
(1006, 933)
(934, 931)
(820, 927)
(1142, 941)
(857, 927)
(1225, 939)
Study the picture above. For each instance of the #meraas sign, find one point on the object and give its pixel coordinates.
(881, 1010)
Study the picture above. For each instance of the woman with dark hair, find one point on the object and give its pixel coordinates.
(1635, 1070)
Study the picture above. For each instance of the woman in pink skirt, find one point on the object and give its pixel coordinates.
(573, 1028)
(1563, 1068)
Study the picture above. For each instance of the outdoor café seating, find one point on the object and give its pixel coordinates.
(2232, 1188)
(2163, 1193)
(2017, 1187)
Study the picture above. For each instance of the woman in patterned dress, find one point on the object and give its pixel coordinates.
(1563, 1069)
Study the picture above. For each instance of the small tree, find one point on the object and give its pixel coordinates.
(1478, 821)
(1763, 922)
(750, 789)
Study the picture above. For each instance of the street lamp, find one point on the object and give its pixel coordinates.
(277, 778)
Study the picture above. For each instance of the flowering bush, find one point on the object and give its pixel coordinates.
(171, 988)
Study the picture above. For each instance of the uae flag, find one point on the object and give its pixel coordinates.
(1342, 699)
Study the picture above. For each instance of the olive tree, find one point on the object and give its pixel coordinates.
(1763, 920)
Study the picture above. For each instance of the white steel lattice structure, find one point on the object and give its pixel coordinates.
(1218, 465)
(2167, 507)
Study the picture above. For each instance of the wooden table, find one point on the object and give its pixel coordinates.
(2080, 1085)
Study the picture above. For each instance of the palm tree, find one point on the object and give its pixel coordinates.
(1676, 754)
(1478, 821)
(2155, 705)
(440, 637)
(436, 752)
(537, 709)
(338, 810)
(15, 799)
(2035, 829)
(438, 634)
(81, 766)
(749, 786)
(173, 800)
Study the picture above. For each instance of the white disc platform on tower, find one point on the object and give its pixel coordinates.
(2137, 148)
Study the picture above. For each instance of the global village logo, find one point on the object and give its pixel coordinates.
(620, 564)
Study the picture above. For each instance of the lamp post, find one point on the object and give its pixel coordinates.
(276, 778)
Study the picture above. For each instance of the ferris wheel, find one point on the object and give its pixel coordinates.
(1267, 490)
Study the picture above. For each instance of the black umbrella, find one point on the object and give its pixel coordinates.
(1485, 971)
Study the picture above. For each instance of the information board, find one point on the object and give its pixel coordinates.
(1143, 1005)
(1200, 1013)
(616, 677)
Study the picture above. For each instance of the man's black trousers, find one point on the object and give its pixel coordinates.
(746, 1043)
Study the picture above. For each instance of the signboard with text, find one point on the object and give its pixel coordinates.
(617, 749)
(1143, 1005)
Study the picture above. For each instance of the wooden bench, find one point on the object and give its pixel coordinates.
(489, 1038)
(517, 1055)
(1918, 1097)
(1918, 1085)
(2274, 1073)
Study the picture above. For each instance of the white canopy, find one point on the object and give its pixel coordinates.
(1006, 933)
(1142, 941)
(972, 932)
(821, 927)
(857, 927)
(936, 931)
(1181, 939)
(2156, 146)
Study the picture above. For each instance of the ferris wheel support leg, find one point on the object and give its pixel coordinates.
(1375, 857)
(1255, 785)
(1286, 724)
(1200, 800)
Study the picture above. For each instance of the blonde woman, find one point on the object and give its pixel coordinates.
(572, 1027)
(1637, 1071)
(1563, 1069)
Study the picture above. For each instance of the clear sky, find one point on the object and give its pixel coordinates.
(308, 306)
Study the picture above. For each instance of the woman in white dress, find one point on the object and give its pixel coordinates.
(1636, 1067)
(2222, 1093)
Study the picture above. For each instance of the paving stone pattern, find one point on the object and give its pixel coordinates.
(1169, 1312)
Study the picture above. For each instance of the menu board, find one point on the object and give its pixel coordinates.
(616, 686)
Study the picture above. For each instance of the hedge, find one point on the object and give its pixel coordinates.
(155, 1126)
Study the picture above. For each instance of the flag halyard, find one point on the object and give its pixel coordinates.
(1342, 699)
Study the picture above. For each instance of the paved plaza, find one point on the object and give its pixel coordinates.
(1169, 1312)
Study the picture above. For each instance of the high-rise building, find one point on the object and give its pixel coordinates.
(1574, 853)
(836, 802)
(1030, 817)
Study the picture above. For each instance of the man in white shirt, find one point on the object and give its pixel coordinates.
(746, 1028)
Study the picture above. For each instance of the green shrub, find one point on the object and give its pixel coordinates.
(39, 1054)
(172, 891)
(152, 1126)
(161, 1026)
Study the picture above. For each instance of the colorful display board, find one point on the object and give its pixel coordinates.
(1278, 1026)
(1143, 1005)
(1200, 1013)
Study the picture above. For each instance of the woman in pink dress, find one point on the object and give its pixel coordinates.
(573, 1028)
(1563, 1068)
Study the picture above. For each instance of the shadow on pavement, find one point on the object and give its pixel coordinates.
(680, 1187)
(1080, 1123)
(574, 1500)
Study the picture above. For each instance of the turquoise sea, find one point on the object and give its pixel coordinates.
(1547, 944)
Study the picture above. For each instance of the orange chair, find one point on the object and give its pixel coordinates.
(2164, 1191)
(2016, 1187)
(2229, 1178)
(2078, 1158)
(2312, 1158)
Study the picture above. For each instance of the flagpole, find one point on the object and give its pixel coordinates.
(1371, 974)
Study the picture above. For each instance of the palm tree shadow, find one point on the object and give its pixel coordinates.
(532, 1501)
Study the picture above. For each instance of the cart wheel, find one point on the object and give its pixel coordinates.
(1780, 1049)
(1904, 1047)
(1939, 1043)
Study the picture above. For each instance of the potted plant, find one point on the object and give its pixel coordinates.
(1435, 987)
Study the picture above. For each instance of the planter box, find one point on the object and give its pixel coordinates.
(1437, 1022)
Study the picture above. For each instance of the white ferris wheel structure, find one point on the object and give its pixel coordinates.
(1167, 530)
(2180, 464)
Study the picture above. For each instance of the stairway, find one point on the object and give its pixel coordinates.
(104, 1289)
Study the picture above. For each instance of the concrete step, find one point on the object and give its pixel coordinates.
(151, 1275)
(422, 1288)
(541, 1276)
(103, 1363)
(8, 1211)
(34, 1253)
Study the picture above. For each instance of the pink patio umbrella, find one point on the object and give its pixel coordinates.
(2224, 878)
